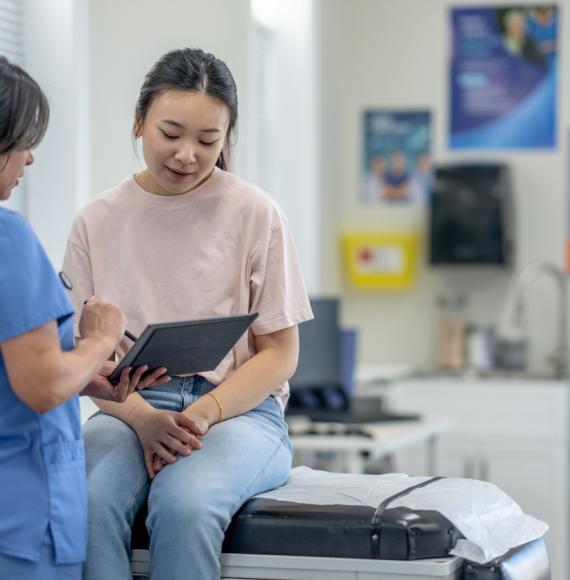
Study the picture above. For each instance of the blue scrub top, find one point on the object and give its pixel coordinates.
(42, 465)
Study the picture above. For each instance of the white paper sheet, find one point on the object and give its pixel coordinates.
(490, 520)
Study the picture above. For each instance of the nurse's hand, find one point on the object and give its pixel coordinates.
(164, 434)
(101, 388)
(102, 320)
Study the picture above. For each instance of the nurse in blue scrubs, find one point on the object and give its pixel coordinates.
(43, 500)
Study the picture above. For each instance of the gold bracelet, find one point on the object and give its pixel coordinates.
(220, 408)
(131, 411)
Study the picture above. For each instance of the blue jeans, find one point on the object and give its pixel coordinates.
(190, 502)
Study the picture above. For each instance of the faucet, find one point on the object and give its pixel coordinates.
(514, 308)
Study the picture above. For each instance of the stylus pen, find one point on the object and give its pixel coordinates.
(128, 334)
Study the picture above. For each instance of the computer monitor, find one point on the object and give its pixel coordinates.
(318, 381)
(321, 386)
(319, 348)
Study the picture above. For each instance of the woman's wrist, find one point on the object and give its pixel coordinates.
(206, 408)
(138, 413)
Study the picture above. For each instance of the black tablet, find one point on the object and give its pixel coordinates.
(188, 347)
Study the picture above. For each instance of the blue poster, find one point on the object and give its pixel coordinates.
(397, 158)
(503, 77)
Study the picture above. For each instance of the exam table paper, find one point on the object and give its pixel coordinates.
(490, 520)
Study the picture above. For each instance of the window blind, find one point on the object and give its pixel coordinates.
(12, 30)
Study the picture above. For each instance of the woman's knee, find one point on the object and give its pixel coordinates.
(111, 448)
(187, 512)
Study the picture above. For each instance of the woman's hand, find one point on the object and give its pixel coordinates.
(164, 434)
(101, 388)
(194, 414)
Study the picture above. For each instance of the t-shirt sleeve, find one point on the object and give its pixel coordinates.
(31, 293)
(278, 290)
(77, 266)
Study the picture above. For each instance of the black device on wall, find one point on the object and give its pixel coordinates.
(471, 211)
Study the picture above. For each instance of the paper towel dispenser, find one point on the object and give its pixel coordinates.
(471, 215)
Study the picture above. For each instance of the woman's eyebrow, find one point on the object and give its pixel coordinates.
(180, 126)
(173, 123)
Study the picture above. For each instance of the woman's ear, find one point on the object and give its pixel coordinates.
(137, 126)
(4, 158)
(223, 159)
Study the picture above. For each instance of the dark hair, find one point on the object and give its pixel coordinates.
(191, 69)
(24, 110)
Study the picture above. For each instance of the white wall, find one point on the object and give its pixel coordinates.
(285, 132)
(56, 48)
(380, 53)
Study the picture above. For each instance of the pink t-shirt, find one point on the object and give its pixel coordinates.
(224, 248)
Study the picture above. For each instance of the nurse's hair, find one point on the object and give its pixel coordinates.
(24, 109)
(191, 69)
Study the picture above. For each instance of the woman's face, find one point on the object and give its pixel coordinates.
(183, 135)
(11, 169)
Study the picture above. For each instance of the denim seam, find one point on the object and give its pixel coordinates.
(260, 473)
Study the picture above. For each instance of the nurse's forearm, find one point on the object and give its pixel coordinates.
(66, 373)
(42, 375)
(81, 364)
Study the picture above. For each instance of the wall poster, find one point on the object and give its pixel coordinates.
(503, 77)
(396, 166)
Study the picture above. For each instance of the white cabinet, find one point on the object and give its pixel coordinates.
(513, 434)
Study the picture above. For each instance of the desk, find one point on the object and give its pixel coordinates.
(384, 440)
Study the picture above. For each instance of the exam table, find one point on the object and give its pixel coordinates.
(344, 532)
